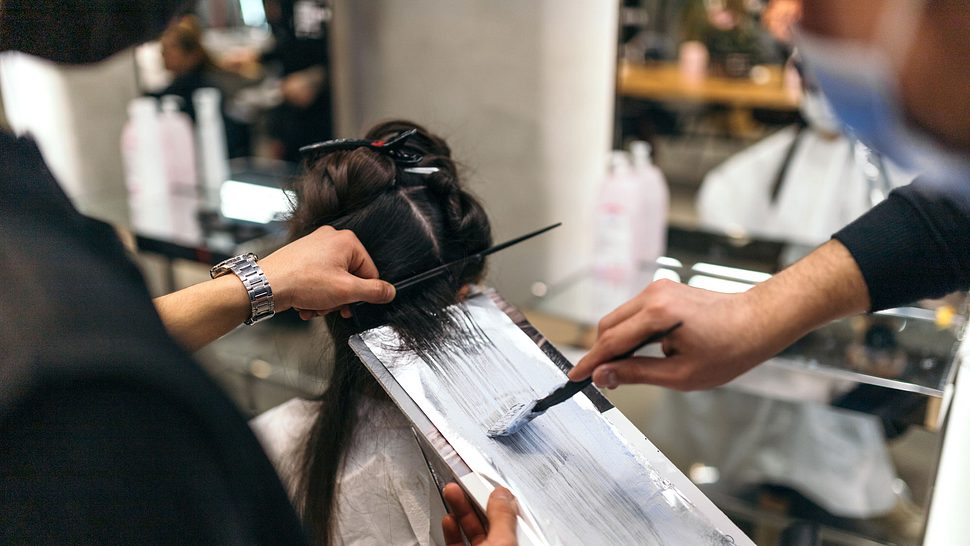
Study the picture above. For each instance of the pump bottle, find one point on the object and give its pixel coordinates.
(653, 200)
(212, 151)
(178, 147)
(615, 220)
(145, 172)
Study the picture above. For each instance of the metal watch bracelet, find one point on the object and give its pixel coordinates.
(254, 280)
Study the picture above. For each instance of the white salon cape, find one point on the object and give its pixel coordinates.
(385, 494)
(823, 188)
(836, 458)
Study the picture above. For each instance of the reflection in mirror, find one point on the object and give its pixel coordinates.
(269, 60)
(754, 158)
(746, 140)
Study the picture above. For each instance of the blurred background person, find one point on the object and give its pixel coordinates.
(800, 184)
(299, 58)
(193, 68)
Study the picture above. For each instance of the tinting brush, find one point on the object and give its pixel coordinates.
(520, 414)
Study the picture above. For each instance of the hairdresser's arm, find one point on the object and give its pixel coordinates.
(463, 521)
(913, 245)
(724, 335)
(317, 274)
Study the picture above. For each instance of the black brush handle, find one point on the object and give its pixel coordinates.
(570, 389)
(562, 394)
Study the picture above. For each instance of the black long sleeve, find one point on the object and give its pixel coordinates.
(104, 463)
(913, 245)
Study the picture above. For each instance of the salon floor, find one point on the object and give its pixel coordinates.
(274, 361)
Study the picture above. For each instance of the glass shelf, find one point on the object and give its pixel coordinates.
(906, 349)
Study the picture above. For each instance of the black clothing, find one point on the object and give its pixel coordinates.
(109, 432)
(81, 31)
(301, 43)
(300, 35)
(913, 245)
(295, 127)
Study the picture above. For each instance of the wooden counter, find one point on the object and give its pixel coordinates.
(665, 82)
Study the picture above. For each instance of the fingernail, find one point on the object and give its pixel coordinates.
(504, 495)
(607, 380)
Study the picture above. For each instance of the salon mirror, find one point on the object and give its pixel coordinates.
(759, 173)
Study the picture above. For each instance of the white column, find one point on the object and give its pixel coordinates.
(947, 522)
(522, 90)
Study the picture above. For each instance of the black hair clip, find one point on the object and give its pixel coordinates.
(391, 148)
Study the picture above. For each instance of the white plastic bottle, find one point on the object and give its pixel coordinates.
(145, 173)
(653, 198)
(211, 139)
(614, 254)
(178, 147)
(179, 154)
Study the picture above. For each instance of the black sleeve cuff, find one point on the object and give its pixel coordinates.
(913, 245)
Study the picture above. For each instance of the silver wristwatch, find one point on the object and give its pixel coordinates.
(252, 277)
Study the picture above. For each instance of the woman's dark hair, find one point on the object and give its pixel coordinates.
(408, 223)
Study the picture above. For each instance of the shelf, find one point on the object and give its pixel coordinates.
(909, 349)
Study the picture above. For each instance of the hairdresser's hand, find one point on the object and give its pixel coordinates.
(715, 344)
(301, 88)
(501, 511)
(323, 272)
(724, 335)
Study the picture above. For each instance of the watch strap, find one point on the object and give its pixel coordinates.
(254, 281)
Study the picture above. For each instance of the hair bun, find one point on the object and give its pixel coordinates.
(337, 183)
(359, 176)
(341, 182)
(444, 182)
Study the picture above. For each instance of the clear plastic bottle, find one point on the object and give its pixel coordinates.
(653, 198)
(211, 139)
(614, 254)
(145, 173)
(178, 147)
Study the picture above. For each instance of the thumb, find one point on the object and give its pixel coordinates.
(501, 511)
(371, 290)
(665, 372)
